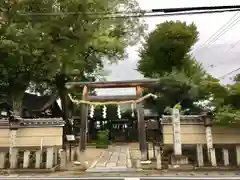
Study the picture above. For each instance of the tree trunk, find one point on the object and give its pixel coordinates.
(17, 101)
(64, 104)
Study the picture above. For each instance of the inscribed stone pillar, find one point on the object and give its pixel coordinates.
(200, 155)
(238, 154)
(176, 132)
(225, 157)
(2, 159)
(26, 158)
(38, 159)
(213, 157)
(208, 130)
(50, 151)
(13, 158)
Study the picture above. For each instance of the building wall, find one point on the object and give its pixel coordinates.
(26, 137)
(195, 134)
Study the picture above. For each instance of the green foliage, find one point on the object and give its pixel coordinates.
(166, 48)
(228, 109)
(166, 55)
(227, 115)
(46, 51)
(103, 140)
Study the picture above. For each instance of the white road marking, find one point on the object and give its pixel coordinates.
(132, 178)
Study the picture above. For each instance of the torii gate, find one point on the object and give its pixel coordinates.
(138, 84)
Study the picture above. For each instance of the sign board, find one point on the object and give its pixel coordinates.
(70, 137)
(3, 113)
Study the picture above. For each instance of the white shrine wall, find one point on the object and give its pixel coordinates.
(33, 137)
(196, 134)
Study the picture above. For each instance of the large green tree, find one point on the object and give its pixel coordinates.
(166, 48)
(70, 42)
(165, 54)
(21, 51)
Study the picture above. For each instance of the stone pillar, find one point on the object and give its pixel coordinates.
(38, 159)
(200, 155)
(138, 160)
(225, 157)
(210, 149)
(129, 162)
(68, 158)
(49, 157)
(213, 157)
(13, 158)
(73, 153)
(26, 159)
(238, 154)
(63, 160)
(208, 131)
(177, 145)
(55, 156)
(77, 151)
(2, 160)
(82, 159)
(158, 158)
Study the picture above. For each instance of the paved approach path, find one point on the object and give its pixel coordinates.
(113, 159)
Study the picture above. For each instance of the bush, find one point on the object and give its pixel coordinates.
(102, 141)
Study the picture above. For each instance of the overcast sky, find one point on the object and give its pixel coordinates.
(207, 25)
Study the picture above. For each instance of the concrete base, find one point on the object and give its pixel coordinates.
(179, 160)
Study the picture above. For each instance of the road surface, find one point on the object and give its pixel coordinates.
(128, 178)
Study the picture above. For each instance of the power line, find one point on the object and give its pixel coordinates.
(233, 71)
(146, 15)
(218, 33)
(164, 10)
(233, 46)
(227, 29)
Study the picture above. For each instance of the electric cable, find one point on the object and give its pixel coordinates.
(233, 71)
(219, 32)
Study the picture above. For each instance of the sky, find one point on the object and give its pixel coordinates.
(207, 25)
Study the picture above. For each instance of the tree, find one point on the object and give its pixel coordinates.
(227, 111)
(57, 45)
(165, 55)
(22, 51)
(166, 48)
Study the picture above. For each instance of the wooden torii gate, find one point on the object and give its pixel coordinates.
(138, 84)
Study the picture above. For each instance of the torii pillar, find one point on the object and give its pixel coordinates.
(141, 127)
(83, 127)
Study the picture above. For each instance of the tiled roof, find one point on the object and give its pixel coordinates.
(195, 119)
(42, 122)
(32, 102)
(37, 122)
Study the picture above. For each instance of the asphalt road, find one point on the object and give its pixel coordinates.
(128, 178)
